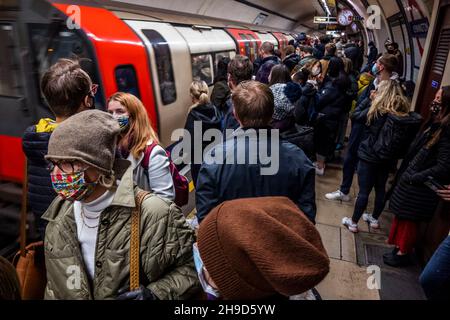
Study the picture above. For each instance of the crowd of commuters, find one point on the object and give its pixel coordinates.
(92, 171)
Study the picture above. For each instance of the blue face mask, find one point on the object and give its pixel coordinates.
(375, 69)
(199, 267)
(124, 121)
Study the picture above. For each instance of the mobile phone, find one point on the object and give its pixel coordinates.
(434, 185)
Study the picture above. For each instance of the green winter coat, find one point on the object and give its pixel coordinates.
(167, 266)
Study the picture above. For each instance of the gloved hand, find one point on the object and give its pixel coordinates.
(142, 293)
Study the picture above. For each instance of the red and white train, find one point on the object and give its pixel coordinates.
(152, 53)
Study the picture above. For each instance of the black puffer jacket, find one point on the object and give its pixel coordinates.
(366, 151)
(386, 138)
(332, 100)
(411, 199)
(40, 189)
(305, 108)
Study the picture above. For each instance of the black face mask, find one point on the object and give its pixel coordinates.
(435, 108)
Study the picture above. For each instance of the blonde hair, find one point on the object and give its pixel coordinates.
(140, 130)
(390, 99)
(199, 91)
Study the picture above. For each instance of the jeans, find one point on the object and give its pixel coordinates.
(342, 129)
(351, 158)
(371, 175)
(435, 278)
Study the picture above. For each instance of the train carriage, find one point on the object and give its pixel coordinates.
(154, 54)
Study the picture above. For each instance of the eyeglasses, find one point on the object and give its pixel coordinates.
(66, 166)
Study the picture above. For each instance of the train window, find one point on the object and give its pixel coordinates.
(202, 68)
(220, 55)
(164, 66)
(251, 47)
(9, 68)
(51, 42)
(126, 80)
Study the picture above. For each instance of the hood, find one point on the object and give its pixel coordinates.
(208, 114)
(365, 79)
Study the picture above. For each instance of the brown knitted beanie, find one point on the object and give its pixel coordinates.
(257, 248)
(89, 136)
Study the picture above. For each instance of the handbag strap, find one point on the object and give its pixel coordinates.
(23, 211)
(135, 241)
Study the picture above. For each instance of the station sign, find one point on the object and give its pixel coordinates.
(325, 20)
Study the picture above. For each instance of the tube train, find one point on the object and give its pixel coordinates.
(153, 54)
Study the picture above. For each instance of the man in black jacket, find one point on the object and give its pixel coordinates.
(234, 170)
(68, 89)
(239, 69)
(269, 60)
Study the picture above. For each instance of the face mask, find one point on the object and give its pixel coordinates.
(315, 71)
(435, 108)
(199, 267)
(123, 120)
(72, 186)
(376, 69)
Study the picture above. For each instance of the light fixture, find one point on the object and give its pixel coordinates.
(325, 5)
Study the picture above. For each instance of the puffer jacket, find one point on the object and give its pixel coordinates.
(388, 138)
(40, 190)
(364, 81)
(305, 108)
(411, 198)
(166, 261)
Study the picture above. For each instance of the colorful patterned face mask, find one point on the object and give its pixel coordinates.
(72, 186)
(123, 120)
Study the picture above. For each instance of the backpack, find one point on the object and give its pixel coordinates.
(180, 182)
(396, 136)
(302, 137)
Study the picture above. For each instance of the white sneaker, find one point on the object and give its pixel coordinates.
(374, 223)
(353, 227)
(338, 195)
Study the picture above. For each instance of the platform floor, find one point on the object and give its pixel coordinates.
(351, 254)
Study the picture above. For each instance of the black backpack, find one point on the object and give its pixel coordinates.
(396, 136)
(302, 137)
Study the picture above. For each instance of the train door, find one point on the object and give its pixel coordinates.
(14, 115)
(248, 42)
(170, 63)
(282, 40)
(265, 36)
(437, 74)
(437, 61)
(206, 46)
